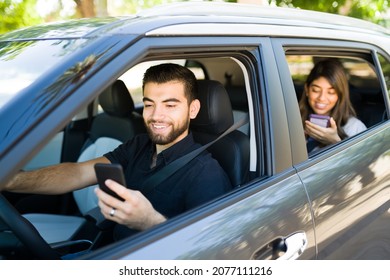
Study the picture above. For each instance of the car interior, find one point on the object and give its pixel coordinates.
(68, 222)
(71, 222)
(365, 89)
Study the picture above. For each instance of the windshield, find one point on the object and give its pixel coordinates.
(22, 62)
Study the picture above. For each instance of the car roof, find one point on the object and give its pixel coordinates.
(173, 15)
(284, 16)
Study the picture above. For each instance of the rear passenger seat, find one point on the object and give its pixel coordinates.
(369, 106)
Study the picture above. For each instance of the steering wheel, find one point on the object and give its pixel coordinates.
(25, 231)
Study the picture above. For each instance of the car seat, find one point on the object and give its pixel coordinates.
(239, 101)
(216, 116)
(117, 123)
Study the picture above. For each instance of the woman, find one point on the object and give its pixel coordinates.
(326, 93)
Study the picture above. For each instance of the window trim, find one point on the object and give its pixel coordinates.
(326, 47)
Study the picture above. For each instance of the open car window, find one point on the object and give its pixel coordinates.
(366, 94)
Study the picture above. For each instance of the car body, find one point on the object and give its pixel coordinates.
(330, 205)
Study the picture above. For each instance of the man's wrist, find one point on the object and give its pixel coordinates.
(155, 219)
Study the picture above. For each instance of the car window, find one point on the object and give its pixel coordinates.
(231, 76)
(363, 83)
(385, 65)
(133, 82)
(360, 73)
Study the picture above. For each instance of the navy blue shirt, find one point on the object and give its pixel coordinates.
(199, 181)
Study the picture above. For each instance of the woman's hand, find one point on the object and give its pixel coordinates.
(324, 135)
(135, 211)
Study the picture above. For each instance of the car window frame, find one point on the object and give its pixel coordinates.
(152, 48)
(300, 154)
(385, 78)
(261, 65)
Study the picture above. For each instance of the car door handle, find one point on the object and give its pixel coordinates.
(283, 248)
(295, 245)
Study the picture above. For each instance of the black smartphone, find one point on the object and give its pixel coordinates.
(320, 120)
(111, 171)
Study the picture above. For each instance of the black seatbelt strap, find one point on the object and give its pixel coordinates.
(90, 114)
(168, 170)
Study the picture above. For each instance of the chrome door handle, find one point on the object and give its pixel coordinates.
(283, 248)
(295, 244)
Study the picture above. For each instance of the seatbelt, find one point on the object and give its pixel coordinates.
(151, 182)
(90, 114)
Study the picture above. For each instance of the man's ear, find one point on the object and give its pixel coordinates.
(194, 108)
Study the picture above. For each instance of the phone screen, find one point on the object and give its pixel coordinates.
(106, 171)
(320, 120)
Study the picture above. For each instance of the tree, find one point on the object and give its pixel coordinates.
(20, 13)
(92, 8)
(371, 10)
(134, 6)
(17, 14)
(85, 8)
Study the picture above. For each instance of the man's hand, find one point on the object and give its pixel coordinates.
(135, 211)
(323, 135)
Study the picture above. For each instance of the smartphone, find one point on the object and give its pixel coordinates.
(320, 120)
(111, 171)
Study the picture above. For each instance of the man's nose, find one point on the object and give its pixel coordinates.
(158, 112)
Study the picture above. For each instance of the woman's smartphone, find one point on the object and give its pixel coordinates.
(320, 120)
(111, 171)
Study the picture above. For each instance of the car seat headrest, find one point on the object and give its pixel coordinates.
(116, 100)
(216, 114)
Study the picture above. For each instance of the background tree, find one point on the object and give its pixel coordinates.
(371, 10)
(20, 13)
(17, 14)
(86, 8)
(92, 8)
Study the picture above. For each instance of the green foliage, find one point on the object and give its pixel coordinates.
(329, 6)
(134, 6)
(370, 10)
(17, 13)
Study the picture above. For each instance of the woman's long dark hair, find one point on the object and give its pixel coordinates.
(333, 71)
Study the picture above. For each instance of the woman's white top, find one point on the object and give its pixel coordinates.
(354, 126)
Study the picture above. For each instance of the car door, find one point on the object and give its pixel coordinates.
(348, 183)
(266, 218)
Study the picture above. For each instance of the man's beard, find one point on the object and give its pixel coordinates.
(170, 137)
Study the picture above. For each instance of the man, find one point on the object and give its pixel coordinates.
(169, 104)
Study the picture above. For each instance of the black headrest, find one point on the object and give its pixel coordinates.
(116, 100)
(215, 115)
(238, 98)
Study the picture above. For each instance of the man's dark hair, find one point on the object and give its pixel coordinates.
(167, 72)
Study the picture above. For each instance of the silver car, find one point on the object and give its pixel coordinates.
(286, 204)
